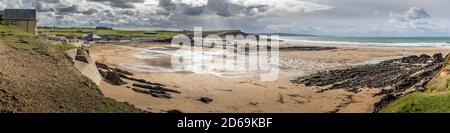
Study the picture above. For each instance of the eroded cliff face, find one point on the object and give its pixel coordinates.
(441, 81)
(37, 77)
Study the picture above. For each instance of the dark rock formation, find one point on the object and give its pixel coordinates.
(174, 112)
(205, 100)
(115, 75)
(395, 78)
(438, 58)
(114, 78)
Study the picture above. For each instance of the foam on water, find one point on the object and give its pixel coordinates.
(372, 41)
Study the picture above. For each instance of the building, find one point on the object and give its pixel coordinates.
(25, 19)
(103, 28)
(91, 37)
(1, 15)
(151, 32)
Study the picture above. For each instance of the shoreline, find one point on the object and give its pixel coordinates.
(248, 94)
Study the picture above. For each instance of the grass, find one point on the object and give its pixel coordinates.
(64, 46)
(438, 84)
(435, 100)
(27, 42)
(19, 39)
(124, 33)
(420, 102)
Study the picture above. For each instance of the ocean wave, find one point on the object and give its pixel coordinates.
(371, 44)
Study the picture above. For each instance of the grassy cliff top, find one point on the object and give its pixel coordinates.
(127, 33)
(421, 102)
(434, 100)
(36, 76)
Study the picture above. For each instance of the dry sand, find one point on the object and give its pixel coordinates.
(249, 94)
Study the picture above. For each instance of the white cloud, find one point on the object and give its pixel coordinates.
(11, 4)
(274, 7)
(2, 6)
(417, 21)
(413, 13)
(413, 18)
(167, 13)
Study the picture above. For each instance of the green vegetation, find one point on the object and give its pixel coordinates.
(435, 100)
(18, 39)
(32, 58)
(64, 46)
(124, 33)
(420, 102)
(438, 84)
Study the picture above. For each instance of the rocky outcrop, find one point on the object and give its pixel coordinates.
(395, 78)
(116, 76)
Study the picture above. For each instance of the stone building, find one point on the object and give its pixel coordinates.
(25, 19)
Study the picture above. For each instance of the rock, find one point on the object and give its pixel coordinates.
(385, 100)
(410, 59)
(205, 100)
(122, 71)
(139, 80)
(154, 87)
(157, 94)
(81, 55)
(114, 78)
(102, 66)
(438, 58)
(395, 78)
(424, 56)
(102, 72)
(174, 112)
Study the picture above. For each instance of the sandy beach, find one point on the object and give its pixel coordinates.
(247, 94)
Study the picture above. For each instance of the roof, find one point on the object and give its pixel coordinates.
(19, 14)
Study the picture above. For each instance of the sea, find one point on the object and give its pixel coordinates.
(371, 41)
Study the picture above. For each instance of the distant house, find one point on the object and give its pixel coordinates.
(151, 32)
(91, 37)
(103, 28)
(25, 19)
(1, 15)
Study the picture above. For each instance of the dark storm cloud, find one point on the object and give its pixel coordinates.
(68, 9)
(327, 17)
(90, 12)
(224, 8)
(120, 3)
(169, 6)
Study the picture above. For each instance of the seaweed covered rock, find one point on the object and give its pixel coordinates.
(114, 78)
(395, 78)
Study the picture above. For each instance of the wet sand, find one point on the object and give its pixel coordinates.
(248, 93)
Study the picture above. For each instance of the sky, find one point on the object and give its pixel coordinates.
(320, 17)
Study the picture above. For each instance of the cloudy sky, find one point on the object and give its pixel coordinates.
(324, 17)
